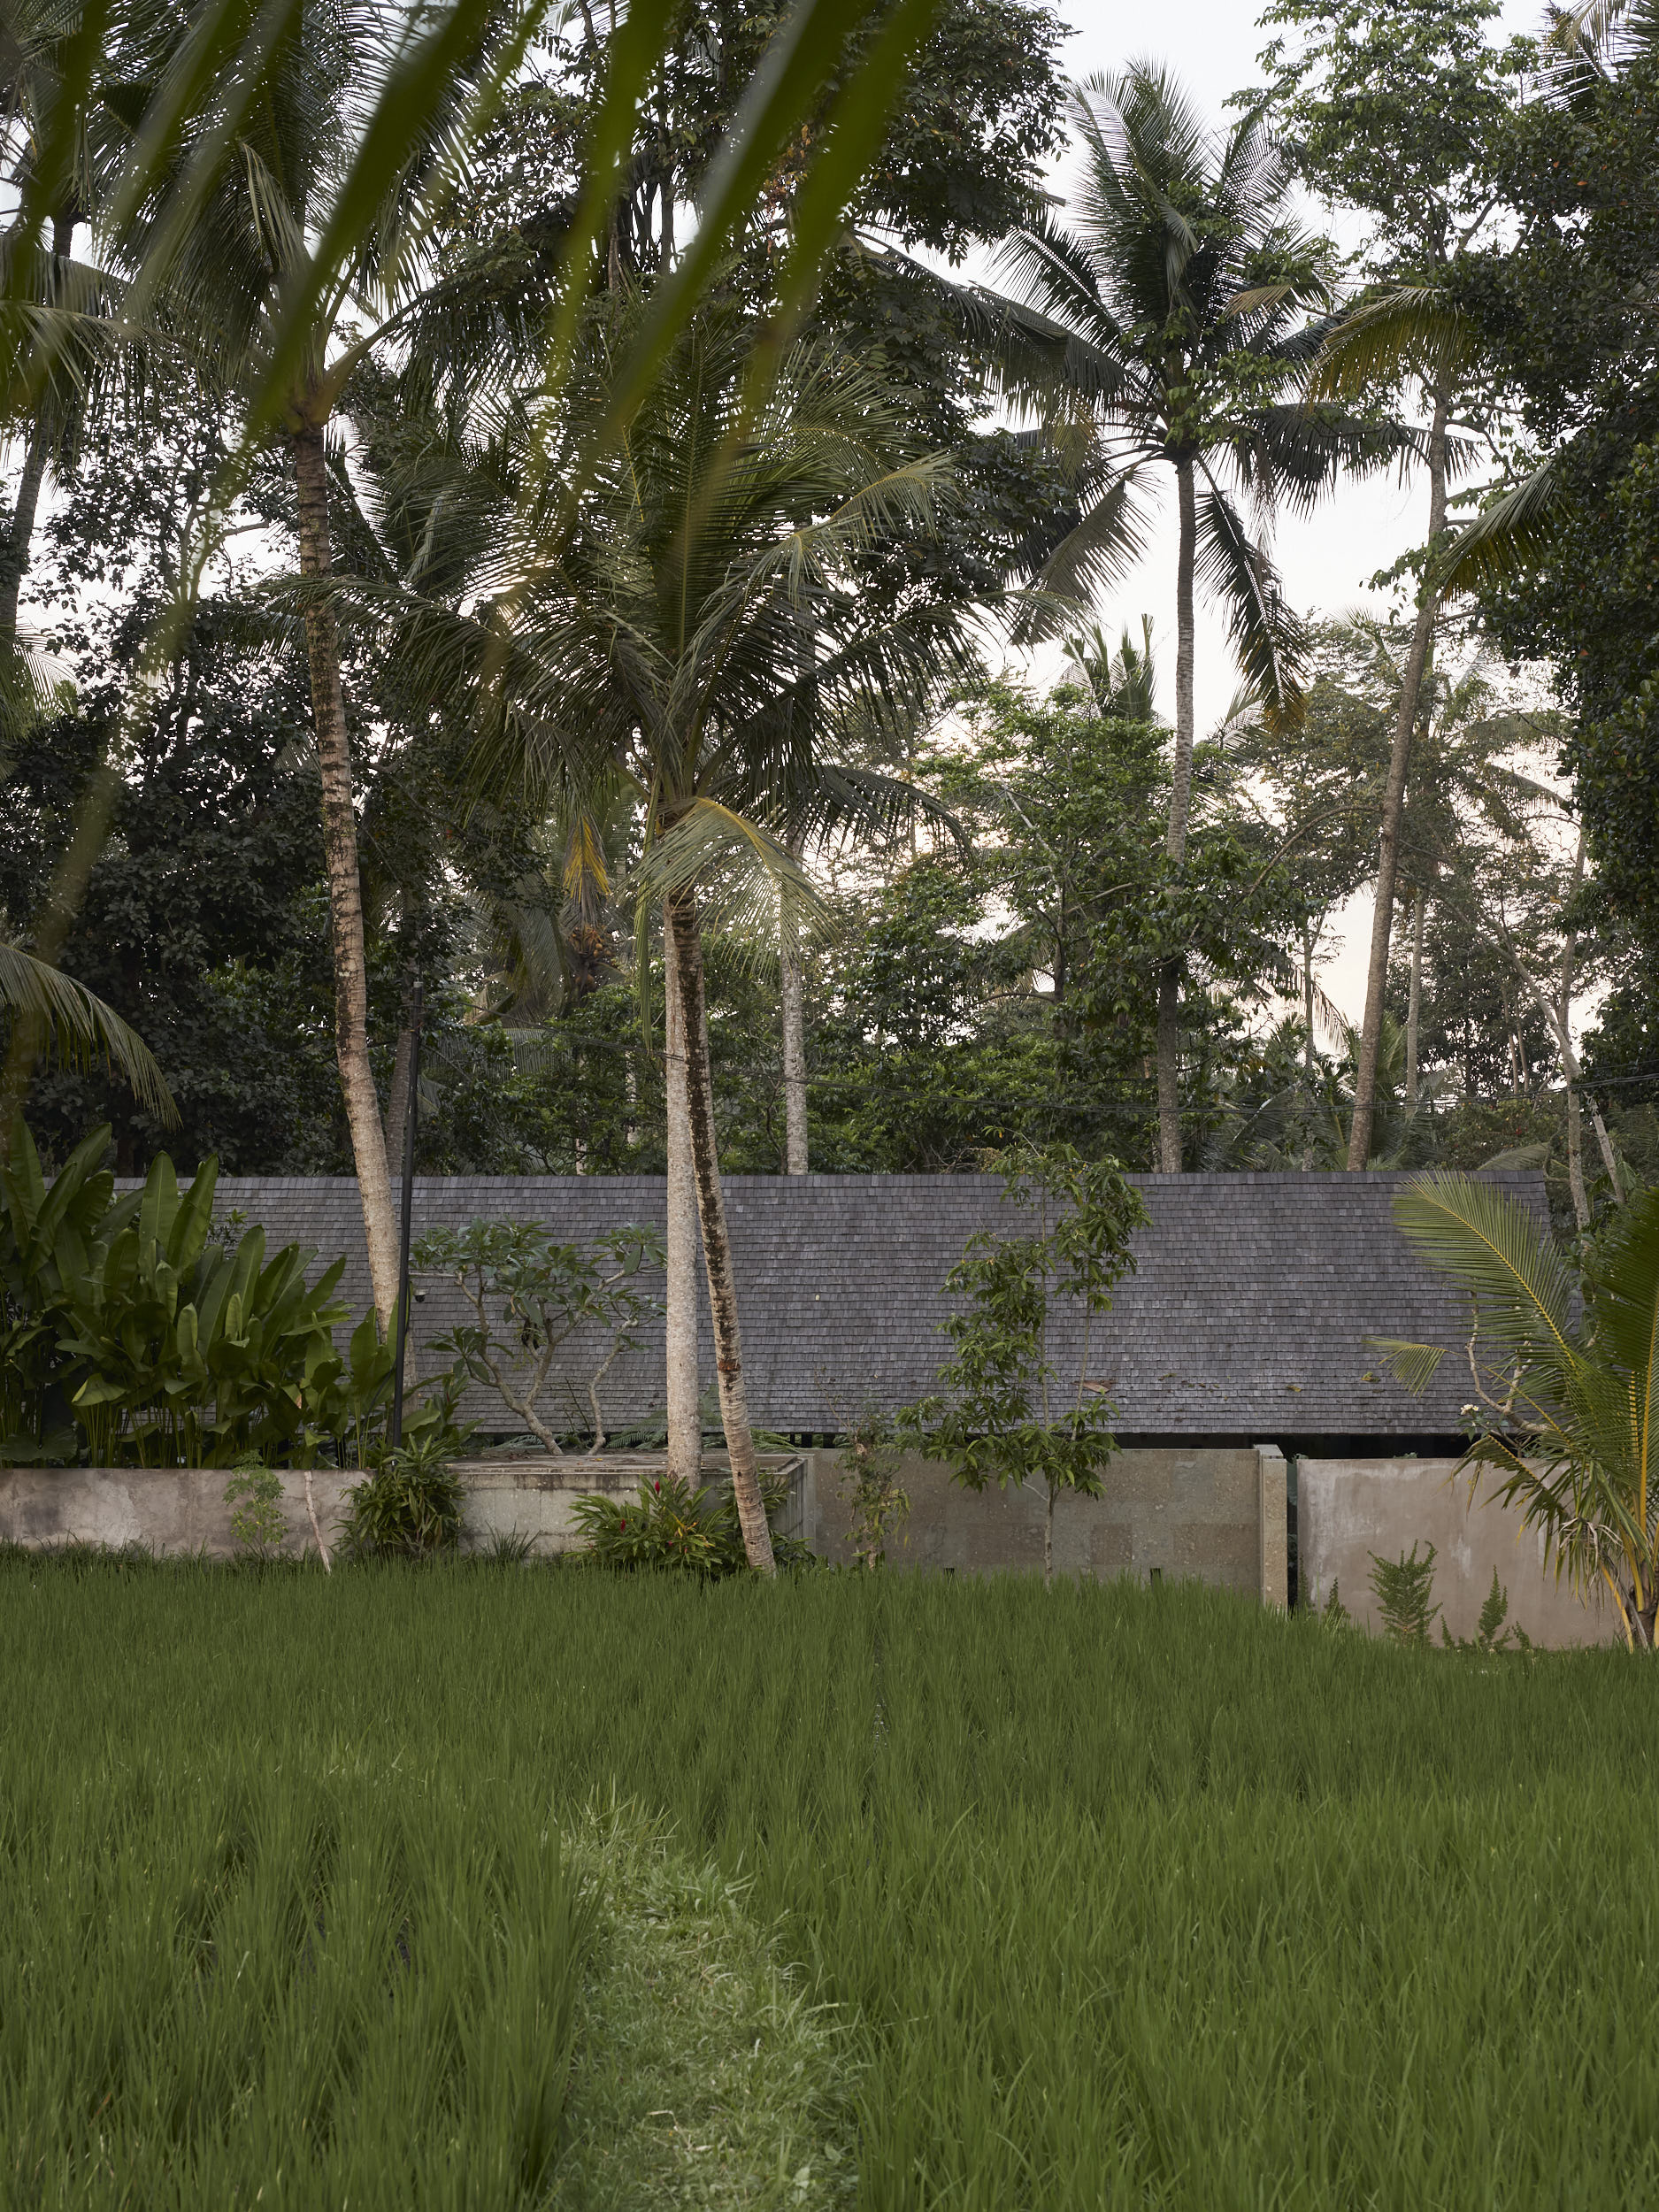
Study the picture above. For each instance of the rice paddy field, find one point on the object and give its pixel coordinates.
(485, 1887)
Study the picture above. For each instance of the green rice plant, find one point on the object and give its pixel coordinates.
(1107, 1897)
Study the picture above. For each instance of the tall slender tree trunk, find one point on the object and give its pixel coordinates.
(1414, 1003)
(345, 890)
(792, 995)
(1393, 808)
(398, 1104)
(717, 1249)
(1180, 808)
(14, 556)
(1569, 1059)
(685, 1409)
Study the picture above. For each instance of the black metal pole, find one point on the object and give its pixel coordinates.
(412, 1116)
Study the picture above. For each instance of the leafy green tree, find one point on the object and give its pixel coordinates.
(1173, 314)
(1570, 575)
(1395, 110)
(1007, 1413)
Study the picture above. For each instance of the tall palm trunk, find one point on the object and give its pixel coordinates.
(792, 993)
(345, 891)
(1414, 1003)
(716, 1249)
(14, 557)
(1181, 806)
(1569, 1061)
(1393, 808)
(685, 1409)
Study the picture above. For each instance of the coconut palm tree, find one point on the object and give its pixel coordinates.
(694, 623)
(1170, 318)
(1567, 1371)
(279, 194)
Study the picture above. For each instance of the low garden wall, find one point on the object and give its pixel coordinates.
(1348, 1508)
(1212, 1514)
(182, 1510)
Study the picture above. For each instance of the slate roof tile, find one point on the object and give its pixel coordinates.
(1248, 1314)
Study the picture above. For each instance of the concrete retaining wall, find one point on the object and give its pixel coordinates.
(1217, 1516)
(182, 1510)
(1348, 1508)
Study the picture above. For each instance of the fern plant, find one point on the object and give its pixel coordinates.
(1404, 1588)
(1565, 1416)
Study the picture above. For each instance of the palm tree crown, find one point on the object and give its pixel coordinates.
(1173, 311)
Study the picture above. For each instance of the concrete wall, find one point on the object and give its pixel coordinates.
(1348, 1508)
(182, 1510)
(1214, 1515)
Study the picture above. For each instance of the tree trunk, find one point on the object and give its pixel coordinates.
(1048, 1543)
(716, 1250)
(794, 997)
(345, 891)
(1393, 808)
(1569, 1059)
(685, 1411)
(1414, 1003)
(1181, 782)
(398, 1104)
(1180, 808)
(1608, 1160)
(14, 557)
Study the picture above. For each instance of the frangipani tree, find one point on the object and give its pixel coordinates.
(1169, 317)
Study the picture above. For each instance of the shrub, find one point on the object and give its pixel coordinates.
(878, 1503)
(410, 1508)
(672, 1525)
(258, 1525)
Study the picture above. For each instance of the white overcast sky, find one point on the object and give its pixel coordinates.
(1211, 45)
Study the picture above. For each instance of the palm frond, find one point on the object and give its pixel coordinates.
(1514, 531)
(1494, 1247)
(1415, 330)
(83, 1029)
(1268, 637)
(1415, 1365)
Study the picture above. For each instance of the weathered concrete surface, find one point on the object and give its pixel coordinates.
(175, 1510)
(1217, 1516)
(1348, 1508)
(167, 1510)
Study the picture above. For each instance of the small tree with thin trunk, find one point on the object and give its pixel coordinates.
(1007, 1413)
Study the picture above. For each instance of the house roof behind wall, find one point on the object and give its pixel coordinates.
(1246, 1318)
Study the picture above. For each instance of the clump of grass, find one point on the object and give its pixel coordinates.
(704, 2077)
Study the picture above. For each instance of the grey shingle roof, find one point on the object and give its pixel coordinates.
(1247, 1317)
